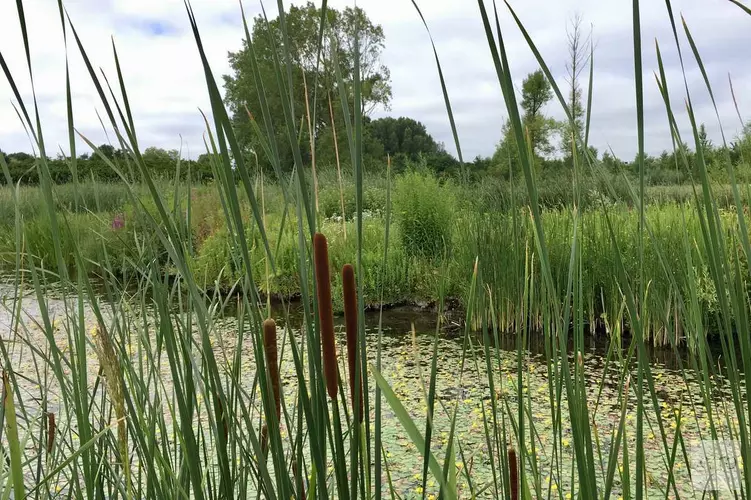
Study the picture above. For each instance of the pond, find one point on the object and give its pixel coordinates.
(464, 388)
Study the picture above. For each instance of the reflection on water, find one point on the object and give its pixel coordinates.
(399, 321)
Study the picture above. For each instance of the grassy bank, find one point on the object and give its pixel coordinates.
(438, 229)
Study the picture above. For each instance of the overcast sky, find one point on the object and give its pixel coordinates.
(166, 84)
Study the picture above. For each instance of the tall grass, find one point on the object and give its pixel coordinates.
(179, 410)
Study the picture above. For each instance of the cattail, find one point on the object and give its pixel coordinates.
(325, 313)
(350, 321)
(513, 473)
(51, 429)
(264, 441)
(115, 386)
(220, 416)
(272, 363)
(298, 479)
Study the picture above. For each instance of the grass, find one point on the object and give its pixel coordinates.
(155, 393)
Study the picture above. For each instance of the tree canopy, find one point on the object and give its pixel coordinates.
(316, 92)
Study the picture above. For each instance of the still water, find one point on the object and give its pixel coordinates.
(462, 385)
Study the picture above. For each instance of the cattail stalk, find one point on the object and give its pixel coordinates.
(115, 387)
(220, 417)
(325, 312)
(298, 479)
(312, 141)
(272, 363)
(338, 169)
(51, 429)
(264, 441)
(513, 473)
(350, 321)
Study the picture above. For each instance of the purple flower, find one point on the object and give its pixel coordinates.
(118, 222)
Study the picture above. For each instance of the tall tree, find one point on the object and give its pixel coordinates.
(407, 140)
(403, 136)
(312, 78)
(579, 50)
(536, 92)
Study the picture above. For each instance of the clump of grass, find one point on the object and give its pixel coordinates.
(424, 210)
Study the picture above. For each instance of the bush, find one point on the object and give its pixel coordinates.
(424, 209)
(330, 204)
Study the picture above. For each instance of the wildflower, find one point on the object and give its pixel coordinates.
(118, 222)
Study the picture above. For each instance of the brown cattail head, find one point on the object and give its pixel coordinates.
(325, 312)
(350, 321)
(270, 347)
(221, 417)
(298, 479)
(264, 441)
(513, 473)
(51, 429)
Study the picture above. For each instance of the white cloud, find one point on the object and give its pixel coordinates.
(166, 84)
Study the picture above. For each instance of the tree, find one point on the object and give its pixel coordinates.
(160, 162)
(536, 92)
(740, 148)
(506, 156)
(407, 140)
(579, 57)
(313, 83)
(402, 136)
(704, 141)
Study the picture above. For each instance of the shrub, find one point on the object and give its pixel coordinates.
(424, 208)
(330, 205)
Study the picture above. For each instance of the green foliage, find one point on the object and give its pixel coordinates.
(374, 201)
(424, 210)
(320, 79)
(407, 141)
(536, 93)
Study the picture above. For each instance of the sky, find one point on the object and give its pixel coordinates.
(166, 85)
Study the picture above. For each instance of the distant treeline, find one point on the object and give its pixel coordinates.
(408, 144)
(404, 140)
